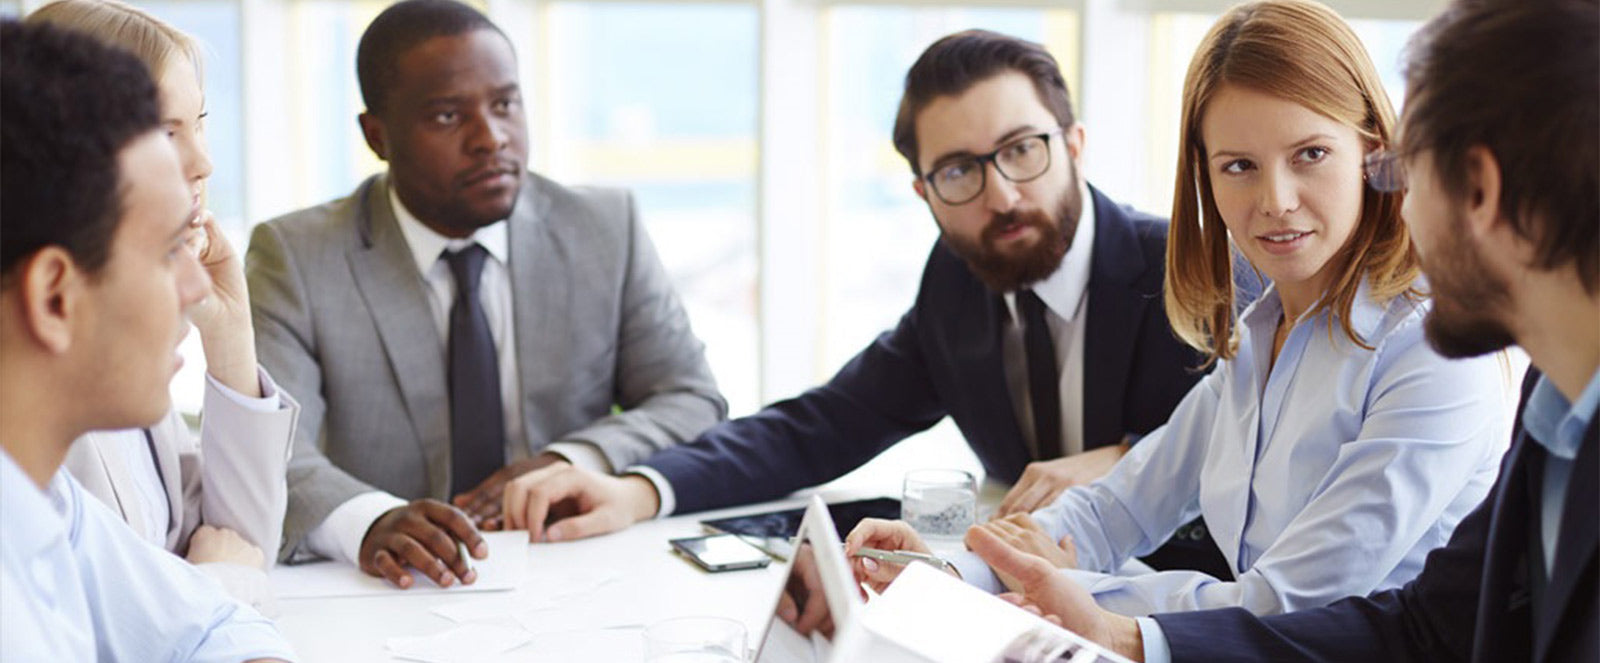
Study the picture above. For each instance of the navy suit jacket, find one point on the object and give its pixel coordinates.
(944, 359)
(1480, 598)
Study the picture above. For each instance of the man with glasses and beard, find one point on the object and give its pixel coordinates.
(1039, 327)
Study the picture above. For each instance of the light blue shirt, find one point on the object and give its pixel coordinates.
(1332, 474)
(1552, 423)
(1558, 426)
(77, 584)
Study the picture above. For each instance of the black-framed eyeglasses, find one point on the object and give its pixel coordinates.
(1384, 172)
(1022, 159)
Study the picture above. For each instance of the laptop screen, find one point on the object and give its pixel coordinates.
(818, 595)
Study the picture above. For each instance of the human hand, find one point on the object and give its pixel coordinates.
(1022, 602)
(1043, 481)
(883, 535)
(576, 503)
(483, 503)
(1019, 531)
(422, 535)
(223, 318)
(209, 545)
(1041, 585)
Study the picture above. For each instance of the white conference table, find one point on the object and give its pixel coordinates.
(651, 584)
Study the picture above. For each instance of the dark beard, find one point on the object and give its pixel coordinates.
(1465, 297)
(1004, 273)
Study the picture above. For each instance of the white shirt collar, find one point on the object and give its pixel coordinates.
(1064, 288)
(426, 245)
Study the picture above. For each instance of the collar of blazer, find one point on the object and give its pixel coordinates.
(1115, 235)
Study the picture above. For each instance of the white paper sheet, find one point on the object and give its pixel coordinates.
(462, 644)
(583, 616)
(505, 569)
(542, 590)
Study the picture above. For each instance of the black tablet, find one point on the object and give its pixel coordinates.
(772, 530)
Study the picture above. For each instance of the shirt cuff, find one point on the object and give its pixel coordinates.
(582, 455)
(340, 534)
(669, 501)
(974, 571)
(269, 401)
(1155, 642)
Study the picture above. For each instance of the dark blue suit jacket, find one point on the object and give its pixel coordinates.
(944, 359)
(1477, 599)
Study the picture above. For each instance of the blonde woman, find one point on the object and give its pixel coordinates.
(219, 500)
(1331, 448)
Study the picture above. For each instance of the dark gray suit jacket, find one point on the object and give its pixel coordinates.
(604, 348)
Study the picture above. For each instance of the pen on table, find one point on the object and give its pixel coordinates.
(461, 550)
(903, 557)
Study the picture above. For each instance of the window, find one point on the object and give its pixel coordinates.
(661, 99)
(670, 100)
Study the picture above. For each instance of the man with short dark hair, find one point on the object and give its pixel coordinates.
(1500, 143)
(458, 320)
(95, 285)
(1038, 328)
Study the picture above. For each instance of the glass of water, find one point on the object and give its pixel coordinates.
(695, 640)
(939, 504)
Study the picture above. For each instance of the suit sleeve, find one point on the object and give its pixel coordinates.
(245, 457)
(665, 391)
(286, 345)
(1432, 618)
(883, 395)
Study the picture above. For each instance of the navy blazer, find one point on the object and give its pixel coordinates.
(1480, 598)
(944, 359)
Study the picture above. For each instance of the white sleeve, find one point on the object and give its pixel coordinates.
(339, 535)
(669, 500)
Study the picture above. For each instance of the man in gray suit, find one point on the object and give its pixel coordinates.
(460, 321)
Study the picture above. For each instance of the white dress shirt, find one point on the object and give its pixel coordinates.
(340, 534)
(1065, 294)
(1066, 297)
(1332, 473)
(77, 584)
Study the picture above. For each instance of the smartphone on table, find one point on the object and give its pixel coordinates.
(721, 552)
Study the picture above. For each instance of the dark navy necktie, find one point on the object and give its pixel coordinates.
(477, 427)
(1044, 382)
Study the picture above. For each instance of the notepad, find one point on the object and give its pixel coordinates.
(504, 570)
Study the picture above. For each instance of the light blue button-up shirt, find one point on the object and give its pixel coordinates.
(1558, 426)
(77, 584)
(1330, 473)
